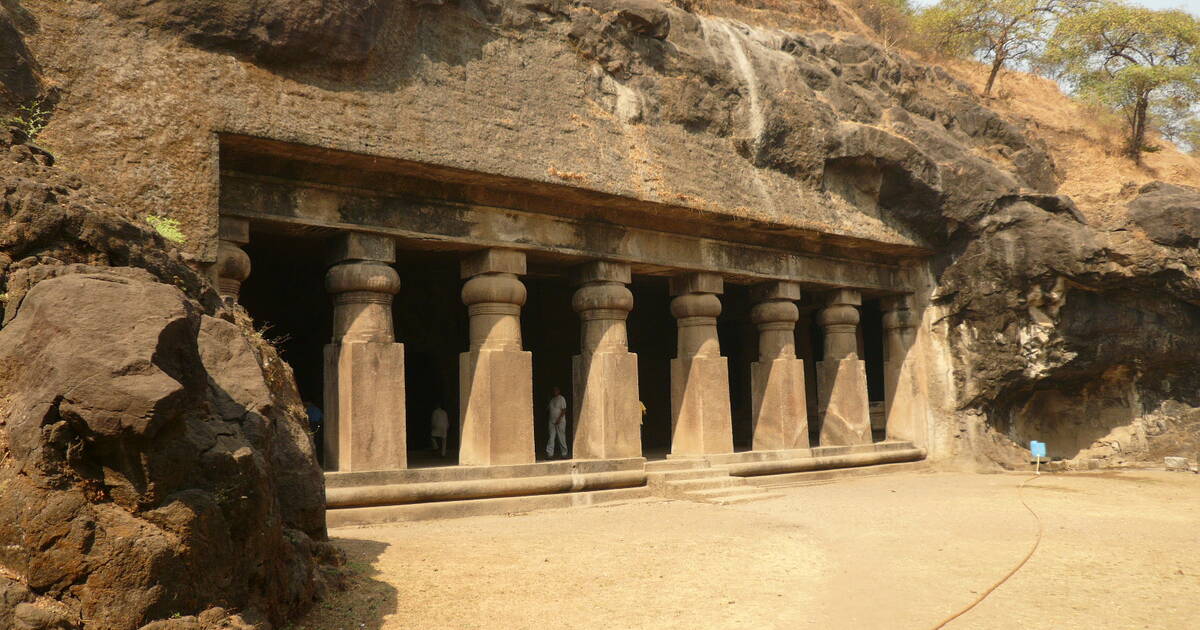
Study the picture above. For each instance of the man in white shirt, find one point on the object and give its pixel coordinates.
(558, 423)
(439, 425)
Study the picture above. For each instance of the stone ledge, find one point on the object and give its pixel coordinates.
(850, 460)
(479, 507)
(468, 473)
(403, 493)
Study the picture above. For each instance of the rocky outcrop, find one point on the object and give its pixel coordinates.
(338, 31)
(20, 78)
(1080, 337)
(153, 455)
(1168, 214)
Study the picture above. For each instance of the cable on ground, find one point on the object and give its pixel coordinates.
(1037, 541)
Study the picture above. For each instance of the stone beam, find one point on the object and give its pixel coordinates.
(487, 227)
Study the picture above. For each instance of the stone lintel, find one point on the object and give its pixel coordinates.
(493, 260)
(362, 246)
(775, 290)
(901, 302)
(697, 282)
(601, 271)
(234, 230)
(851, 297)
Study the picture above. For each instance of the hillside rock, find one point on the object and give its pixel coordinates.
(20, 78)
(339, 31)
(153, 453)
(1169, 214)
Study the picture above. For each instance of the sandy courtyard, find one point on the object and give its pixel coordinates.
(1120, 550)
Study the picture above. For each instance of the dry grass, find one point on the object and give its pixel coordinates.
(1084, 141)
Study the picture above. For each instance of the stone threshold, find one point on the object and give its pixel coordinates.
(471, 473)
(358, 498)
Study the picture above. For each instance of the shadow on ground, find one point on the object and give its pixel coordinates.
(363, 602)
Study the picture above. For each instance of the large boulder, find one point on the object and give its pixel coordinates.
(1169, 214)
(147, 457)
(154, 461)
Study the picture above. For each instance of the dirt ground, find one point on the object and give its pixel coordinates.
(1120, 550)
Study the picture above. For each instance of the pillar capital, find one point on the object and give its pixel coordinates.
(897, 312)
(362, 301)
(362, 246)
(697, 282)
(508, 261)
(601, 271)
(843, 297)
(234, 229)
(233, 265)
(775, 290)
(603, 303)
(839, 319)
(494, 296)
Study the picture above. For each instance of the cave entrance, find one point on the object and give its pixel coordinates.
(739, 344)
(652, 337)
(870, 349)
(550, 331)
(286, 297)
(431, 322)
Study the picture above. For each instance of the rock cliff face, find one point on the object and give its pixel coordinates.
(154, 462)
(153, 444)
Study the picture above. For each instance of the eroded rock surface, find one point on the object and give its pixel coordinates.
(153, 457)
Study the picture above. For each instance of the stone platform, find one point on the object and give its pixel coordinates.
(361, 498)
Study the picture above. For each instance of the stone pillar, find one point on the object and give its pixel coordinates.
(905, 399)
(605, 377)
(495, 374)
(700, 416)
(842, 377)
(777, 378)
(233, 265)
(364, 367)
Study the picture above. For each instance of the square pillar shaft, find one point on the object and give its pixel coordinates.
(842, 402)
(495, 375)
(364, 403)
(701, 421)
(604, 373)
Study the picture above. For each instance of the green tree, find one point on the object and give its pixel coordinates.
(997, 31)
(1138, 61)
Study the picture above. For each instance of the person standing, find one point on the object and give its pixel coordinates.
(439, 426)
(558, 423)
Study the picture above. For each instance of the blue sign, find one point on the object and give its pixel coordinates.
(1037, 448)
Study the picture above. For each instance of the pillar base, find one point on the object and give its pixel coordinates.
(842, 402)
(496, 389)
(700, 419)
(906, 407)
(364, 407)
(607, 414)
(780, 409)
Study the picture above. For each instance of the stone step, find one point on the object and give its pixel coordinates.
(663, 465)
(705, 483)
(347, 517)
(836, 474)
(679, 475)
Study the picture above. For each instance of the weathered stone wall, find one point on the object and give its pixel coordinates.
(636, 99)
